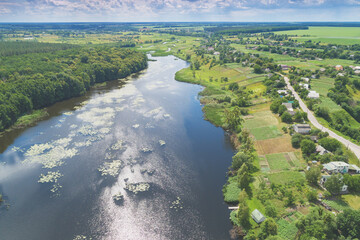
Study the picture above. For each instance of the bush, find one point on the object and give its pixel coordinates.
(307, 146)
(286, 117)
(296, 140)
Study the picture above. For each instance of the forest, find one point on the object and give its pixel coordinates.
(35, 80)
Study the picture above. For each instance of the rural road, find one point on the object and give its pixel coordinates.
(352, 146)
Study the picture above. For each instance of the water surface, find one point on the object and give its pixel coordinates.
(150, 130)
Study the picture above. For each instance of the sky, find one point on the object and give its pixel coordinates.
(178, 10)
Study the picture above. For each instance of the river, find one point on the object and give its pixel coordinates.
(147, 134)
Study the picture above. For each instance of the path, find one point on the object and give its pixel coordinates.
(350, 145)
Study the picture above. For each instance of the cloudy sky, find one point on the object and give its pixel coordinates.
(178, 10)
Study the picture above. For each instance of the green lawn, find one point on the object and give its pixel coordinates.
(267, 132)
(261, 119)
(286, 230)
(232, 191)
(338, 204)
(277, 161)
(286, 177)
(337, 35)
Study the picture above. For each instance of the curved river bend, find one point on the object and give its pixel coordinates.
(60, 176)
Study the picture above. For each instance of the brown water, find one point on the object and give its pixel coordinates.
(152, 123)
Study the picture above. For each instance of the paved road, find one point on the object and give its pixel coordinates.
(352, 146)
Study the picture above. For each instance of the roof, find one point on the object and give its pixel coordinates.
(329, 167)
(313, 94)
(340, 164)
(354, 167)
(303, 125)
(321, 150)
(257, 216)
(287, 105)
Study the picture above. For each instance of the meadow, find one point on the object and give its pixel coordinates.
(335, 35)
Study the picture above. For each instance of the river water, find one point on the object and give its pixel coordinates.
(147, 134)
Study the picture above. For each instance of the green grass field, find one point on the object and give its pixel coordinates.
(277, 161)
(232, 191)
(260, 119)
(267, 132)
(286, 177)
(337, 35)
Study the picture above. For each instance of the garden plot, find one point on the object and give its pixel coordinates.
(274, 145)
(277, 162)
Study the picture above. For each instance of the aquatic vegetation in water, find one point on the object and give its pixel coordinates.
(118, 197)
(166, 115)
(50, 177)
(177, 204)
(87, 130)
(162, 142)
(136, 126)
(37, 149)
(98, 116)
(119, 145)
(139, 100)
(56, 187)
(146, 150)
(137, 187)
(73, 126)
(81, 237)
(68, 113)
(104, 130)
(110, 168)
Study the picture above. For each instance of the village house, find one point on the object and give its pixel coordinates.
(313, 95)
(304, 85)
(305, 79)
(324, 178)
(284, 67)
(314, 138)
(321, 150)
(322, 69)
(339, 68)
(353, 169)
(302, 128)
(257, 216)
(289, 108)
(336, 167)
(357, 72)
(283, 92)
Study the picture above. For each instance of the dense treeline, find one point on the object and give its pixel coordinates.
(252, 29)
(36, 80)
(18, 48)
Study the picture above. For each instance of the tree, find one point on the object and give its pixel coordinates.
(290, 201)
(311, 195)
(298, 117)
(243, 214)
(282, 109)
(233, 118)
(241, 158)
(348, 223)
(334, 184)
(286, 117)
(330, 144)
(257, 69)
(307, 146)
(318, 224)
(270, 210)
(268, 228)
(296, 140)
(313, 175)
(243, 177)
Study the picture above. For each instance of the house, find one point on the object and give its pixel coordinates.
(216, 53)
(302, 128)
(324, 178)
(336, 167)
(314, 138)
(322, 69)
(304, 85)
(257, 216)
(321, 150)
(357, 72)
(339, 68)
(353, 169)
(289, 108)
(313, 95)
(284, 67)
(340, 75)
(305, 79)
(282, 92)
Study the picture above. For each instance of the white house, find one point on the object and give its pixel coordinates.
(324, 178)
(353, 169)
(321, 150)
(313, 95)
(257, 216)
(336, 167)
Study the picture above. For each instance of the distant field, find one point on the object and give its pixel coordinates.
(336, 35)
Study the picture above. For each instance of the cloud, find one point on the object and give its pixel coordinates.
(160, 10)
